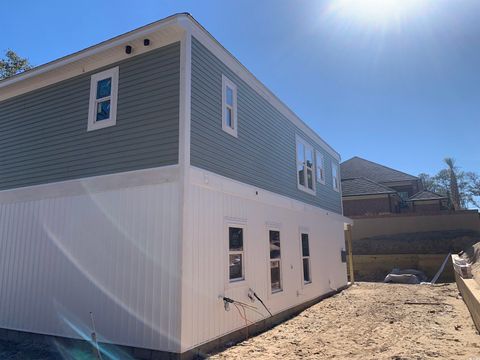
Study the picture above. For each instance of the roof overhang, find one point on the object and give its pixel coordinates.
(160, 34)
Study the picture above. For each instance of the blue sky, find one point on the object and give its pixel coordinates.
(401, 90)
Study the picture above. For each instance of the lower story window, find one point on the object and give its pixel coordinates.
(275, 261)
(306, 259)
(236, 254)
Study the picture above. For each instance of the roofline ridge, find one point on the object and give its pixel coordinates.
(384, 166)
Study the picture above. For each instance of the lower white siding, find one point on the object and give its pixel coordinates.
(114, 253)
(212, 203)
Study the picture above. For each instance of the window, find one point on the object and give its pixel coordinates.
(229, 106)
(275, 261)
(335, 179)
(320, 167)
(102, 110)
(236, 254)
(305, 172)
(307, 277)
(403, 195)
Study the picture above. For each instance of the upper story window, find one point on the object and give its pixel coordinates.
(335, 178)
(236, 270)
(229, 106)
(320, 167)
(103, 99)
(305, 167)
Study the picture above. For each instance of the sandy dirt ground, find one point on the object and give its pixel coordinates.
(372, 321)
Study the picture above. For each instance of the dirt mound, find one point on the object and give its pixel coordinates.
(472, 255)
(372, 321)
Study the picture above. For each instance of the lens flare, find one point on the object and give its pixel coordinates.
(376, 12)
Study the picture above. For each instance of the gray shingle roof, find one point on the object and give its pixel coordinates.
(357, 167)
(427, 195)
(363, 186)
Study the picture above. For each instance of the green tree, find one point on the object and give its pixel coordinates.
(12, 64)
(452, 180)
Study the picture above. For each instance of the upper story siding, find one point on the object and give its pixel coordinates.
(264, 153)
(43, 133)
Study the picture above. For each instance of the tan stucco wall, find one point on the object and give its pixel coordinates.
(409, 223)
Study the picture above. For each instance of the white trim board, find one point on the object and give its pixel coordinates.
(160, 34)
(202, 35)
(207, 179)
(160, 175)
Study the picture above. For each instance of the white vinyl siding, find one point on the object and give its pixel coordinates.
(102, 110)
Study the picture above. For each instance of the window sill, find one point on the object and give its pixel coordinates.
(236, 284)
(230, 131)
(307, 190)
(101, 124)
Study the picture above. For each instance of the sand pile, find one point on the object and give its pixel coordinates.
(472, 255)
(372, 321)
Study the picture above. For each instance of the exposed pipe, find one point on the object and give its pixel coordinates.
(261, 301)
(94, 337)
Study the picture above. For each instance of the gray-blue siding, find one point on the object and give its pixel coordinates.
(263, 155)
(44, 138)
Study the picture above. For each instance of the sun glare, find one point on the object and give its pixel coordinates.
(375, 12)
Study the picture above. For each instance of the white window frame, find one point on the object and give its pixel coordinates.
(320, 167)
(93, 124)
(335, 179)
(232, 131)
(302, 232)
(270, 260)
(306, 147)
(237, 281)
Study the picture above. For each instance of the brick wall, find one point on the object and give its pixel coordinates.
(366, 206)
(426, 206)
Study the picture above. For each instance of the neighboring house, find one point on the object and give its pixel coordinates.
(369, 188)
(428, 201)
(147, 177)
(362, 196)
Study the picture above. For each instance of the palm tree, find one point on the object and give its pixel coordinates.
(454, 192)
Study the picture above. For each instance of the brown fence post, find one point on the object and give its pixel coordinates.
(348, 238)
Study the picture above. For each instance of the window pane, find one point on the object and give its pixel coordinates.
(301, 175)
(275, 276)
(310, 178)
(274, 244)
(319, 163)
(309, 158)
(229, 96)
(228, 117)
(236, 263)
(235, 239)
(300, 152)
(305, 247)
(103, 110)
(306, 270)
(104, 88)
